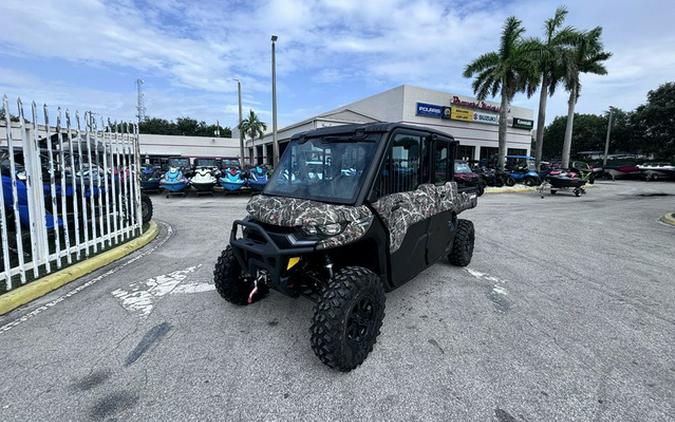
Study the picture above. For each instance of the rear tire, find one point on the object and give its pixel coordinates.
(347, 318)
(510, 181)
(462, 246)
(146, 208)
(230, 281)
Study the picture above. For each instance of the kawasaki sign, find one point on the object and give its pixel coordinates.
(519, 123)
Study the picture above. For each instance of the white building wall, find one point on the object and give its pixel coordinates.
(386, 106)
(189, 146)
(467, 133)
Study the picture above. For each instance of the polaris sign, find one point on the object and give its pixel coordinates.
(429, 110)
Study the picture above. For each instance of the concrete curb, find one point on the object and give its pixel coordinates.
(668, 218)
(519, 188)
(40, 287)
(510, 189)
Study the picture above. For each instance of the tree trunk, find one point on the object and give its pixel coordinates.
(541, 121)
(567, 144)
(503, 114)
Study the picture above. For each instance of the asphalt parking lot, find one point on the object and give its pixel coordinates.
(565, 313)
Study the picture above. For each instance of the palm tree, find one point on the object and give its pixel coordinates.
(586, 56)
(507, 71)
(253, 128)
(550, 56)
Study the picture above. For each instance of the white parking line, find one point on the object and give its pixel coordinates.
(116, 268)
(498, 284)
(140, 296)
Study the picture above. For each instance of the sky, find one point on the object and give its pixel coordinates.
(87, 54)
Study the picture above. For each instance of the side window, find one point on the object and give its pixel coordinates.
(441, 161)
(401, 170)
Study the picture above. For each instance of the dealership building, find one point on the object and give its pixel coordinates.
(473, 123)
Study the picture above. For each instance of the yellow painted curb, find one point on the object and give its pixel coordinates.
(510, 189)
(40, 287)
(668, 218)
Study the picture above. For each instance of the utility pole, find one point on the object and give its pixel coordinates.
(241, 132)
(609, 131)
(275, 142)
(141, 101)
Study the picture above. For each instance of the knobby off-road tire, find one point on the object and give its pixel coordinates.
(230, 281)
(347, 318)
(146, 208)
(462, 246)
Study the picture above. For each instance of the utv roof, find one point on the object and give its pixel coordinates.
(366, 128)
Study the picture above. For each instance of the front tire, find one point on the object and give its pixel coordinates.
(462, 246)
(510, 181)
(347, 318)
(230, 281)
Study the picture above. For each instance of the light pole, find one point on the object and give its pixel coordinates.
(241, 133)
(275, 143)
(609, 131)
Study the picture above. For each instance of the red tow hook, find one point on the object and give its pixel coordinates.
(260, 276)
(253, 292)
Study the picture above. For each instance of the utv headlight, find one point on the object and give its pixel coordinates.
(331, 229)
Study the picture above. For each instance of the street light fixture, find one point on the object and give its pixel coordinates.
(275, 143)
(241, 133)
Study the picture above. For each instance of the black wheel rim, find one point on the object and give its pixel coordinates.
(361, 320)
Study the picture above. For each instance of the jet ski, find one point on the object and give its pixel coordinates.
(563, 180)
(257, 178)
(174, 181)
(232, 179)
(203, 179)
(150, 177)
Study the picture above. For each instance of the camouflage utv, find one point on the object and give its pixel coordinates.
(350, 213)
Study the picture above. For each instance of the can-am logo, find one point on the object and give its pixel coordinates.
(475, 104)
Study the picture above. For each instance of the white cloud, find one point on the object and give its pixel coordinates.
(199, 46)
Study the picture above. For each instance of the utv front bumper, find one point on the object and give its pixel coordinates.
(261, 250)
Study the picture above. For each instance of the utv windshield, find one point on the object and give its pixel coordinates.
(329, 169)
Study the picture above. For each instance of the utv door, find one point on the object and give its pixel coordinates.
(440, 227)
(405, 201)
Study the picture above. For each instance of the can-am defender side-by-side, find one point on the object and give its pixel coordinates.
(350, 213)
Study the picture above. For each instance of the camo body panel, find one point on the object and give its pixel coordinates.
(401, 210)
(294, 212)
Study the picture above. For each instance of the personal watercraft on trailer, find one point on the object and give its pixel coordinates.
(257, 178)
(655, 171)
(150, 177)
(232, 179)
(563, 180)
(203, 180)
(174, 181)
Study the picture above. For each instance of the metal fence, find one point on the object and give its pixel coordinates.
(70, 189)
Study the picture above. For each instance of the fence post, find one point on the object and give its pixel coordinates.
(64, 187)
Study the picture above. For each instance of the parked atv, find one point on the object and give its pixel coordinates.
(349, 213)
(521, 169)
